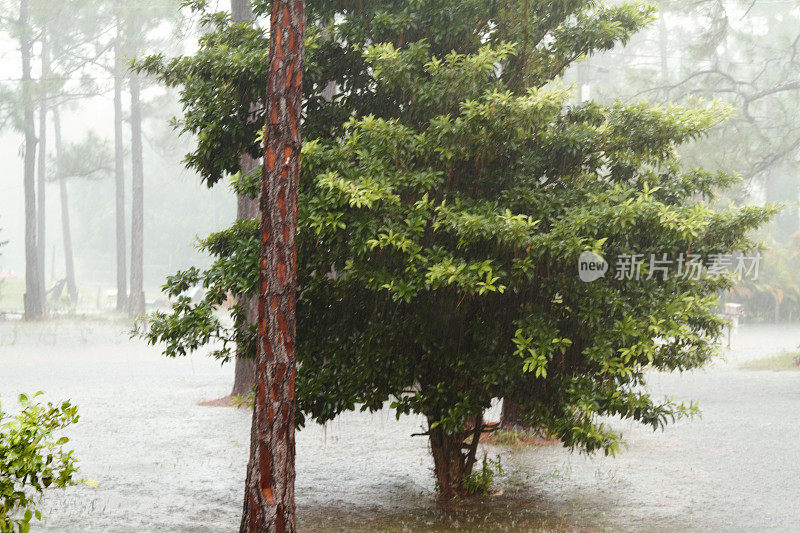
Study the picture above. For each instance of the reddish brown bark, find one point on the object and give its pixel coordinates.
(269, 491)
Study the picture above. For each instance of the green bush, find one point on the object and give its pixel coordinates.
(481, 482)
(32, 459)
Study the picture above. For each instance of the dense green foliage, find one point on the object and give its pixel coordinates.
(32, 459)
(440, 231)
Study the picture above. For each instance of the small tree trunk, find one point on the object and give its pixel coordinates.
(510, 415)
(136, 302)
(119, 177)
(269, 504)
(453, 458)
(34, 295)
(42, 172)
(245, 369)
(69, 261)
(244, 378)
(511, 419)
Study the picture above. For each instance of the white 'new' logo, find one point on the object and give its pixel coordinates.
(591, 267)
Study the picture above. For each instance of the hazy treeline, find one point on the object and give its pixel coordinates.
(96, 137)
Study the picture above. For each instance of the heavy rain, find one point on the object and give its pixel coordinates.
(424, 266)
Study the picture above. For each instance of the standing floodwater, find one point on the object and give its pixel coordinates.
(165, 463)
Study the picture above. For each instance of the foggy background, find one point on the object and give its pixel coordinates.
(177, 207)
(743, 53)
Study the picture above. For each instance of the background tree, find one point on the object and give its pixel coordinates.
(119, 168)
(34, 291)
(76, 35)
(744, 53)
(133, 30)
(41, 172)
(247, 208)
(88, 159)
(65, 33)
(136, 299)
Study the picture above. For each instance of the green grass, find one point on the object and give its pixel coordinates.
(11, 291)
(516, 439)
(781, 362)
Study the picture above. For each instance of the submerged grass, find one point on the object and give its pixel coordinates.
(787, 360)
(516, 439)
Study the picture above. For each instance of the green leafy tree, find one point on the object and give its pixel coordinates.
(440, 232)
(32, 459)
(223, 85)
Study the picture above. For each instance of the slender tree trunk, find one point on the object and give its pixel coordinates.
(510, 416)
(69, 262)
(269, 504)
(34, 304)
(245, 369)
(42, 172)
(663, 45)
(512, 419)
(119, 176)
(454, 457)
(137, 202)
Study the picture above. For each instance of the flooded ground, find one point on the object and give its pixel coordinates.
(165, 463)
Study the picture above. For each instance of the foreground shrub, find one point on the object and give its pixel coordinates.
(32, 459)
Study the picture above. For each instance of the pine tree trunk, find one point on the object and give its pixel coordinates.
(245, 369)
(69, 261)
(663, 44)
(42, 171)
(34, 295)
(269, 504)
(136, 302)
(454, 457)
(119, 176)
